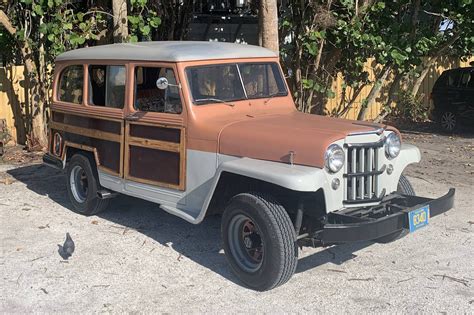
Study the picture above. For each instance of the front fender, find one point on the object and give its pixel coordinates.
(409, 154)
(293, 177)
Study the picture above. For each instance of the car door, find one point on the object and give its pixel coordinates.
(466, 96)
(155, 129)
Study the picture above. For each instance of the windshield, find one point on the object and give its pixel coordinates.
(233, 82)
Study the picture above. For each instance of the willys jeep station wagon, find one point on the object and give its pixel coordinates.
(206, 128)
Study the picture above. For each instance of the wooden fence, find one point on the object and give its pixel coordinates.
(371, 67)
(13, 94)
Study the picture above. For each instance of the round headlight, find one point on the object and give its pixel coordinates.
(334, 158)
(392, 145)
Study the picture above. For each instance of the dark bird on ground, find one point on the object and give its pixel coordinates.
(67, 249)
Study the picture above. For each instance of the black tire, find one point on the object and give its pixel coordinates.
(83, 192)
(448, 121)
(273, 241)
(404, 187)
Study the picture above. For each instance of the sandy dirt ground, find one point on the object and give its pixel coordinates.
(137, 258)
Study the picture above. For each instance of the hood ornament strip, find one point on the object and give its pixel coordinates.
(377, 129)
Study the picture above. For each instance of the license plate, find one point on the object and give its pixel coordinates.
(418, 218)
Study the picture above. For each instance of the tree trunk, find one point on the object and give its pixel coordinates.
(390, 98)
(268, 24)
(119, 9)
(369, 101)
(430, 62)
(426, 68)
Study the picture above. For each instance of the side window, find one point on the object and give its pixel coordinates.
(107, 86)
(453, 79)
(470, 84)
(148, 98)
(70, 87)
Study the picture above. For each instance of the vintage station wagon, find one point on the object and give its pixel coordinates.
(206, 128)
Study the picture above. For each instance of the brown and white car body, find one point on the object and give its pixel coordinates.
(191, 161)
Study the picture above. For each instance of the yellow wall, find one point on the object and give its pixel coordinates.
(12, 93)
(12, 100)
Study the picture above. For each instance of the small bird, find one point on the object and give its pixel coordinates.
(68, 248)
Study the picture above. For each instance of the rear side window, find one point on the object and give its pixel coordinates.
(70, 88)
(453, 78)
(470, 84)
(107, 86)
(467, 80)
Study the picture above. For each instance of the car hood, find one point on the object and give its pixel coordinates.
(273, 137)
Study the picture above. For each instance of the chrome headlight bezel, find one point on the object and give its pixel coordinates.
(334, 158)
(393, 145)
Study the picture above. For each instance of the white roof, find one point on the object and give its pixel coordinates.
(173, 51)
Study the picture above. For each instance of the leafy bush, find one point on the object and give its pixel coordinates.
(410, 108)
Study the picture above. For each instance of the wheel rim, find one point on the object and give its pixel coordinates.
(79, 184)
(448, 121)
(245, 243)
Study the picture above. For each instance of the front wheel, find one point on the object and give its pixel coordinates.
(259, 241)
(82, 186)
(405, 188)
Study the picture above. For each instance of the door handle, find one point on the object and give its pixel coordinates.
(132, 117)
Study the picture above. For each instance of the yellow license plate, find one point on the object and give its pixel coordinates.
(418, 218)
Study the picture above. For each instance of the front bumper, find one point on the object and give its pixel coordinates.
(370, 223)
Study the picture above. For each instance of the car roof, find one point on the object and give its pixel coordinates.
(168, 51)
(458, 69)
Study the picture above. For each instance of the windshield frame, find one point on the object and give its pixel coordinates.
(237, 65)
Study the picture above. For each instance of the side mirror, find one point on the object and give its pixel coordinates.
(162, 83)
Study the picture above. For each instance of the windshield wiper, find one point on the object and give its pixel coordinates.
(215, 100)
(280, 93)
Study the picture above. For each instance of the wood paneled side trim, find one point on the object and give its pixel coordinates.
(93, 133)
(159, 145)
(126, 153)
(105, 113)
(155, 183)
(154, 144)
(182, 160)
(68, 144)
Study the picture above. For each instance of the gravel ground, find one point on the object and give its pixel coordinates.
(136, 258)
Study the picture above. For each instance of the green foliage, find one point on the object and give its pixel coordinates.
(142, 20)
(398, 34)
(410, 108)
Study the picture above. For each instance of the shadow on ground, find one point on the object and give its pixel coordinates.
(200, 243)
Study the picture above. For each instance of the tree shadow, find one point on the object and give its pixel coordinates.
(200, 243)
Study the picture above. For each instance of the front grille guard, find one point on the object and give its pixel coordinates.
(362, 171)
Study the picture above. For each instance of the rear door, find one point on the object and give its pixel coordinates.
(466, 95)
(155, 138)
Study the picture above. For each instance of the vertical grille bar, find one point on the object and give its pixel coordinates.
(361, 169)
(361, 160)
(370, 157)
(376, 167)
(353, 170)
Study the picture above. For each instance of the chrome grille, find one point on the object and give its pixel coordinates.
(362, 171)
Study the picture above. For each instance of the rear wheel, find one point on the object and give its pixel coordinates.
(259, 241)
(448, 121)
(82, 186)
(405, 188)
